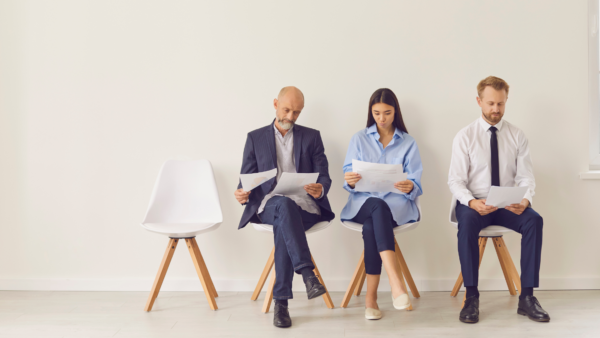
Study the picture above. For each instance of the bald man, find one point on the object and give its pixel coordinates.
(294, 149)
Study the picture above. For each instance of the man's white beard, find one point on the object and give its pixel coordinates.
(286, 125)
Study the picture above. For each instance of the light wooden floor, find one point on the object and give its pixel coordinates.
(186, 314)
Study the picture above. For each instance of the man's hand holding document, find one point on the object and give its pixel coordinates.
(377, 177)
(251, 181)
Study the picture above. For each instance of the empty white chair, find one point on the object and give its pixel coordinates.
(184, 204)
(358, 279)
(267, 228)
(495, 232)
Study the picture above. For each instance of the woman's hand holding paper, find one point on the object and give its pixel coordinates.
(351, 178)
(404, 186)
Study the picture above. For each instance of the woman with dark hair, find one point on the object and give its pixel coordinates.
(384, 140)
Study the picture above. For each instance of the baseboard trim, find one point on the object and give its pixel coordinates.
(242, 285)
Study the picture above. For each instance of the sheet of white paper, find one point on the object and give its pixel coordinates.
(377, 177)
(251, 181)
(501, 197)
(293, 184)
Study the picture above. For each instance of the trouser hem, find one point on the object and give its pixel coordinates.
(296, 268)
(282, 297)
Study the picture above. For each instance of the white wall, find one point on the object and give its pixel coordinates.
(95, 95)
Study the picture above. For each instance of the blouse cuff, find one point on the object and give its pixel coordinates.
(416, 191)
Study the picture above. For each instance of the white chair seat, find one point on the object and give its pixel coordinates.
(179, 230)
(401, 228)
(490, 231)
(269, 228)
(185, 200)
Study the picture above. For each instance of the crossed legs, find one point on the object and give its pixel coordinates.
(292, 253)
(378, 237)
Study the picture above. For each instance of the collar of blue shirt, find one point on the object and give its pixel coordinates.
(373, 130)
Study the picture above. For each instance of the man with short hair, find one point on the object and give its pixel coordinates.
(295, 149)
(492, 152)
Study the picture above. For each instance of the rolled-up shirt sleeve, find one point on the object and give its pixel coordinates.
(414, 169)
(459, 170)
(353, 153)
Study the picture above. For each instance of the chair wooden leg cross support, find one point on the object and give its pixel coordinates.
(506, 263)
(358, 279)
(270, 267)
(207, 283)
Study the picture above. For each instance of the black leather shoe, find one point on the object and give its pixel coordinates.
(470, 311)
(531, 308)
(282, 316)
(314, 288)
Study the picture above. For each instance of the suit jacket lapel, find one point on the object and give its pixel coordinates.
(271, 143)
(297, 146)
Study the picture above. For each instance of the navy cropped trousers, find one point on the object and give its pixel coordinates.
(378, 232)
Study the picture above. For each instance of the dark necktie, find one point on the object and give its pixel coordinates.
(495, 165)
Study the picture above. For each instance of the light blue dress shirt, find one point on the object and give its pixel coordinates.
(402, 149)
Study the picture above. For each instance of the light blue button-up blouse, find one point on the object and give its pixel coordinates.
(402, 149)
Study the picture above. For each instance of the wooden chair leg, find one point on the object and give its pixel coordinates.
(162, 271)
(326, 296)
(269, 295)
(264, 275)
(457, 285)
(510, 265)
(509, 282)
(410, 308)
(361, 282)
(482, 243)
(405, 271)
(206, 274)
(200, 270)
(354, 281)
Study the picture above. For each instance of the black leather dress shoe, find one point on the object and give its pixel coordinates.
(314, 288)
(470, 311)
(282, 316)
(531, 308)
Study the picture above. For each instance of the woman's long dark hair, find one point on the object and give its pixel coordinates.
(384, 95)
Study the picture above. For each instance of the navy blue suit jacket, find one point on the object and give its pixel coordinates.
(260, 155)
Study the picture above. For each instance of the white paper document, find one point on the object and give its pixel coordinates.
(251, 181)
(293, 184)
(377, 177)
(501, 197)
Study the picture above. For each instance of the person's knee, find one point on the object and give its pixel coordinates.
(534, 223)
(379, 205)
(286, 209)
(283, 201)
(469, 214)
(285, 204)
(469, 222)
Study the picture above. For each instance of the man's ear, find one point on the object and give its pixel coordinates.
(478, 101)
(275, 103)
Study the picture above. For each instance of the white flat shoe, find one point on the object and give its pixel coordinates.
(372, 314)
(401, 302)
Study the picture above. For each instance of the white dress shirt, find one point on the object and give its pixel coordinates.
(470, 175)
(284, 146)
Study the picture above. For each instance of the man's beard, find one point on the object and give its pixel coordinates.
(285, 124)
(492, 119)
